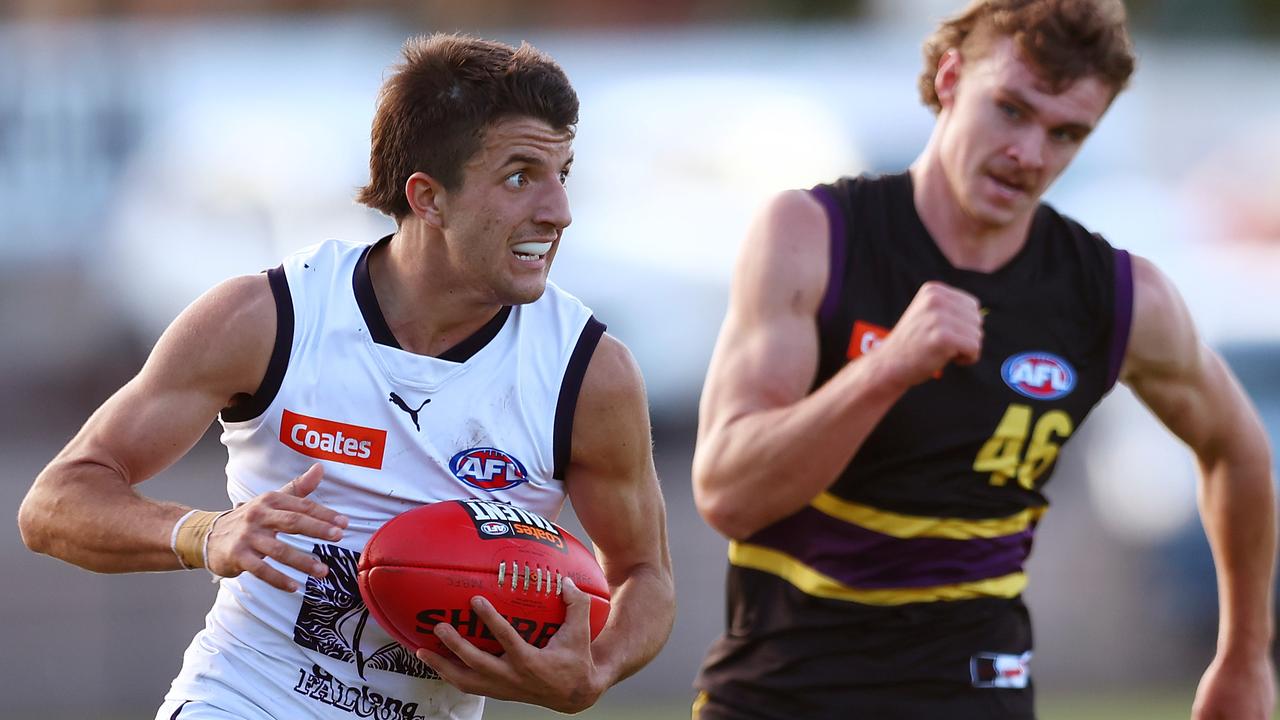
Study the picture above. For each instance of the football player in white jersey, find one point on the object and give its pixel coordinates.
(472, 143)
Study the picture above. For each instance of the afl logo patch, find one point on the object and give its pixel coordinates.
(495, 528)
(1039, 375)
(488, 469)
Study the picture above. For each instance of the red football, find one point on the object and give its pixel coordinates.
(424, 566)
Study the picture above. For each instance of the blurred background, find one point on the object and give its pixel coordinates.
(151, 148)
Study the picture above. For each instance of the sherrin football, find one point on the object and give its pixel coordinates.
(424, 566)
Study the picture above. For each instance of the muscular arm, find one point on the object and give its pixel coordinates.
(614, 489)
(83, 507)
(765, 448)
(1188, 387)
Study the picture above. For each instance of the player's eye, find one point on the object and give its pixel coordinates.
(517, 179)
(1064, 136)
(1010, 111)
(564, 176)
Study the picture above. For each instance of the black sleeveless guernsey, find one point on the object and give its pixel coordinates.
(896, 593)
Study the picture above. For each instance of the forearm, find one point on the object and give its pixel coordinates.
(640, 619)
(87, 514)
(1237, 500)
(764, 466)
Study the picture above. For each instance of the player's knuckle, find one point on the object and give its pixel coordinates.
(254, 513)
(276, 548)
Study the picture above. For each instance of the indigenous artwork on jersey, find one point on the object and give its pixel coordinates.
(334, 621)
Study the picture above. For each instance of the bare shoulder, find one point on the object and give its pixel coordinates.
(222, 341)
(611, 423)
(767, 352)
(785, 258)
(216, 349)
(1163, 340)
(612, 383)
(1179, 378)
(797, 215)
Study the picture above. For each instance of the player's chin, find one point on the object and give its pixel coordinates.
(996, 213)
(523, 293)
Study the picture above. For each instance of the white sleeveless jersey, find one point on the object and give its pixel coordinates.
(393, 431)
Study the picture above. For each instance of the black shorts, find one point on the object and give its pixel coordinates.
(787, 655)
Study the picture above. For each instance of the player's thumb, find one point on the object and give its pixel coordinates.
(577, 610)
(304, 484)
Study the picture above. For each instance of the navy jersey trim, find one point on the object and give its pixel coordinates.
(367, 300)
(371, 310)
(567, 403)
(1123, 316)
(174, 716)
(468, 347)
(257, 403)
(835, 276)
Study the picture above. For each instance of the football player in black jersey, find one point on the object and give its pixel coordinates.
(903, 358)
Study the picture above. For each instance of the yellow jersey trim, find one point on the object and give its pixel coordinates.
(919, 526)
(812, 582)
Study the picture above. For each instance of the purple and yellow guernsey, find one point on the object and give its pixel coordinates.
(911, 564)
(844, 550)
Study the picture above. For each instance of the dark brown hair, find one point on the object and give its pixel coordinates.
(435, 107)
(1065, 40)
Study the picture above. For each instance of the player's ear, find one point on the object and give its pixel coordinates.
(948, 76)
(425, 195)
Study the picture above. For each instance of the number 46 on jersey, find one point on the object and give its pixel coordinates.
(1002, 454)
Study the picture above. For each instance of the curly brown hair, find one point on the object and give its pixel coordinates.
(435, 107)
(1064, 40)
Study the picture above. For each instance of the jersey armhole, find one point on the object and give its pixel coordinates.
(1121, 316)
(257, 403)
(570, 387)
(835, 276)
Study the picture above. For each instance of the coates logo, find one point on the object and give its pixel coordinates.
(330, 440)
(1039, 375)
(488, 469)
(495, 528)
(866, 336)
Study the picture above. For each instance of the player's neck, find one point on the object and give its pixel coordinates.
(967, 242)
(427, 311)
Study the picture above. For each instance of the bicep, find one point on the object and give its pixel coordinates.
(1181, 380)
(611, 479)
(216, 349)
(767, 352)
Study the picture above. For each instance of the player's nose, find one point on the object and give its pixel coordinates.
(1028, 150)
(554, 207)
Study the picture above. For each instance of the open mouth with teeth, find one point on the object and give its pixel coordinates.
(531, 250)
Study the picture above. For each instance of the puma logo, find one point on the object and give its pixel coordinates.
(413, 413)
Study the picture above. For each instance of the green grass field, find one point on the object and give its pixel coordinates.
(1148, 705)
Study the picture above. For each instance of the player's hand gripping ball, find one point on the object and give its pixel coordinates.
(424, 566)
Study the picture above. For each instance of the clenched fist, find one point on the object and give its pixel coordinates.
(941, 325)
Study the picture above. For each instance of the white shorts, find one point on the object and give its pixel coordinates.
(193, 710)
